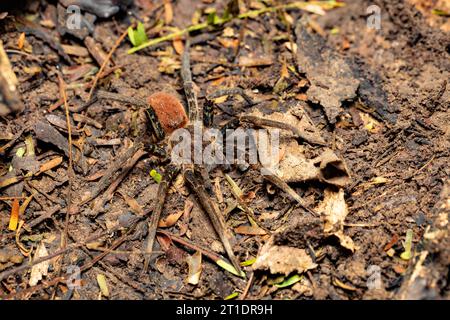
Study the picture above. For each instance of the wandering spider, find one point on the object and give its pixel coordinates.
(167, 115)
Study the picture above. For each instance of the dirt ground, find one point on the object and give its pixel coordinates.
(391, 134)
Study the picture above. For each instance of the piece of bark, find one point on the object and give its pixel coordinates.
(96, 51)
(47, 133)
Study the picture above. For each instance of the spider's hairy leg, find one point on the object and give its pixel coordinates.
(153, 119)
(208, 115)
(191, 97)
(192, 176)
(163, 188)
(195, 175)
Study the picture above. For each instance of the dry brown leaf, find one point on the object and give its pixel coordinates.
(39, 270)
(170, 220)
(168, 11)
(195, 268)
(334, 210)
(178, 45)
(250, 230)
(164, 241)
(133, 204)
(283, 259)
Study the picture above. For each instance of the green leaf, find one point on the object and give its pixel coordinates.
(131, 36)
(138, 36)
(155, 175)
(289, 281)
(441, 13)
(141, 35)
(248, 262)
(232, 296)
(211, 18)
(225, 265)
(407, 254)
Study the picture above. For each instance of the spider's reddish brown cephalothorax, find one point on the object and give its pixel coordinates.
(169, 110)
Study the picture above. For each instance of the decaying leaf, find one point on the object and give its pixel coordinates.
(283, 259)
(133, 204)
(294, 166)
(334, 210)
(195, 268)
(170, 220)
(250, 230)
(39, 270)
(332, 80)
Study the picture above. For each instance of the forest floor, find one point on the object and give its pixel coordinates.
(376, 98)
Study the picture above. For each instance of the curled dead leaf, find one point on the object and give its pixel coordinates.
(41, 269)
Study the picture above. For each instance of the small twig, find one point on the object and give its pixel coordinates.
(105, 181)
(275, 180)
(103, 66)
(70, 174)
(127, 167)
(247, 287)
(207, 253)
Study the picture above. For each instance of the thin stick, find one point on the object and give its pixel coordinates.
(207, 253)
(70, 168)
(247, 287)
(275, 180)
(108, 176)
(127, 167)
(108, 57)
